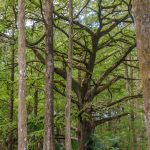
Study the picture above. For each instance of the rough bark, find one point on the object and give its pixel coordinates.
(69, 82)
(85, 130)
(22, 112)
(141, 10)
(49, 81)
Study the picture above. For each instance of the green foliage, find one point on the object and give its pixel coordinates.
(59, 146)
(97, 16)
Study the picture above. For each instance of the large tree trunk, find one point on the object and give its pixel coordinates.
(69, 82)
(49, 81)
(141, 10)
(22, 112)
(85, 131)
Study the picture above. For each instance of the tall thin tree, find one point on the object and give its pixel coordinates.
(22, 112)
(11, 103)
(141, 10)
(49, 78)
(69, 81)
(130, 89)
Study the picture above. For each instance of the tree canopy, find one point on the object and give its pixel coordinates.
(106, 99)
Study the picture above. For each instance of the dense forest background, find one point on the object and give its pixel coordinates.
(107, 106)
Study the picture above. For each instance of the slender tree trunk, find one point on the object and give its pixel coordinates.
(132, 109)
(69, 82)
(12, 77)
(49, 81)
(35, 110)
(36, 99)
(141, 10)
(22, 112)
(11, 104)
(129, 88)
